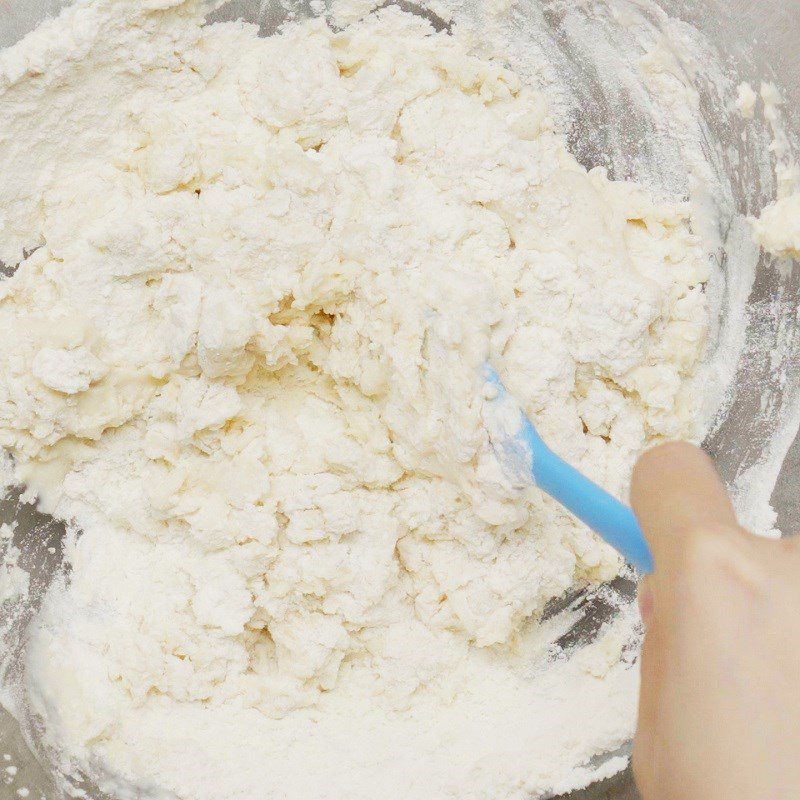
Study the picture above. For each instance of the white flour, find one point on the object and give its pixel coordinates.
(246, 361)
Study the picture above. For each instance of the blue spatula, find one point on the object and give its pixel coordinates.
(525, 455)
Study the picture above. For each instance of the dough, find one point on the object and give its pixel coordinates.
(244, 360)
(777, 230)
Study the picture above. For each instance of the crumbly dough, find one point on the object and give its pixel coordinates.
(245, 360)
(746, 100)
(777, 230)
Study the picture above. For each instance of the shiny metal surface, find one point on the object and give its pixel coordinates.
(757, 39)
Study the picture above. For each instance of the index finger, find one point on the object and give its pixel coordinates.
(675, 490)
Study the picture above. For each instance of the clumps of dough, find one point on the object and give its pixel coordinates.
(247, 361)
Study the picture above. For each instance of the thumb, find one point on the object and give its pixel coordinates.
(675, 490)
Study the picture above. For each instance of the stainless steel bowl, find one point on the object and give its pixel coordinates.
(750, 40)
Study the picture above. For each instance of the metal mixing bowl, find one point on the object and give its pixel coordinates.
(753, 40)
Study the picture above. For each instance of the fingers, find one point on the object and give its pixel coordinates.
(676, 490)
(680, 502)
(712, 608)
(646, 599)
(653, 665)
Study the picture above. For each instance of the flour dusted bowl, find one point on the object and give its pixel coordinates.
(614, 122)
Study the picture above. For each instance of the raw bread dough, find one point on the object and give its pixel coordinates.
(245, 361)
(778, 228)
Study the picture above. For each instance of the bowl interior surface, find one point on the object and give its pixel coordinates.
(613, 123)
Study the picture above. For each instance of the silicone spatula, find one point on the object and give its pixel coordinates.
(526, 457)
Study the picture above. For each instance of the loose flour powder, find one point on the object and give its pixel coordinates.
(244, 362)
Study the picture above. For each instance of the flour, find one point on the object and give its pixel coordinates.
(14, 580)
(245, 363)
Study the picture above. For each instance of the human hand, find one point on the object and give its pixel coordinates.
(719, 710)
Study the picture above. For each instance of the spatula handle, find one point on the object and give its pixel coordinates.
(601, 511)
